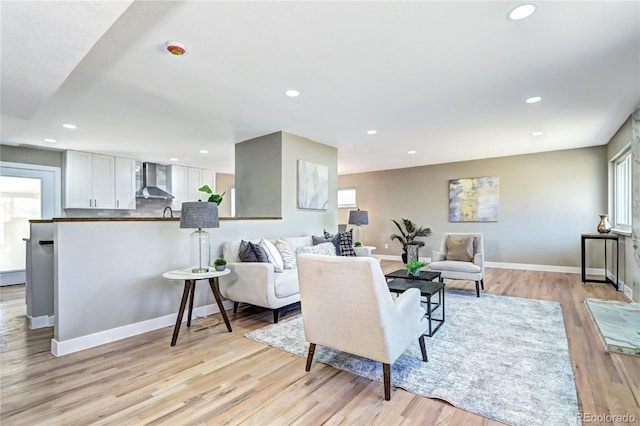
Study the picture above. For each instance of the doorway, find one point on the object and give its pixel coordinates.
(27, 192)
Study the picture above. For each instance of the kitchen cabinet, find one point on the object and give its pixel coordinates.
(185, 181)
(96, 181)
(89, 180)
(125, 183)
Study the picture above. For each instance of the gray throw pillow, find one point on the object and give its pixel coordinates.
(250, 252)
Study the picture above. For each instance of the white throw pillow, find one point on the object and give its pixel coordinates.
(327, 249)
(275, 258)
(288, 258)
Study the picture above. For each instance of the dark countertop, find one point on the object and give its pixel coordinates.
(136, 219)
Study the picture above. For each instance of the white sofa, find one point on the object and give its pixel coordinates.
(258, 284)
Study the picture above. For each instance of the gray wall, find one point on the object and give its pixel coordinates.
(42, 157)
(258, 174)
(546, 201)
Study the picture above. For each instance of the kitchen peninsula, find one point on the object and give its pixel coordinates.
(107, 273)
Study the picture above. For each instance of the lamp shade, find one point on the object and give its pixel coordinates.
(358, 217)
(199, 215)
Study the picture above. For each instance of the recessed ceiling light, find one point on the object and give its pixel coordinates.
(69, 126)
(537, 133)
(372, 132)
(411, 152)
(521, 12)
(173, 159)
(292, 93)
(533, 99)
(204, 151)
(49, 140)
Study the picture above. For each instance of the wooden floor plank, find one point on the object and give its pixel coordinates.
(214, 377)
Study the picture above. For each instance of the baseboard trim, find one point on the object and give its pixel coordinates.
(521, 266)
(41, 321)
(12, 277)
(66, 347)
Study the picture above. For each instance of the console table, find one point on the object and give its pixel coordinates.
(604, 238)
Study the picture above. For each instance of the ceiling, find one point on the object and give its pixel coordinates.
(446, 79)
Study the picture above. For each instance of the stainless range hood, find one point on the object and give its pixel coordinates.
(150, 184)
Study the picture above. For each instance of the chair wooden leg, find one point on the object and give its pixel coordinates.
(276, 312)
(482, 283)
(235, 307)
(423, 349)
(386, 371)
(478, 288)
(312, 349)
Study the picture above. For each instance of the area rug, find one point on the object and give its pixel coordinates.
(503, 358)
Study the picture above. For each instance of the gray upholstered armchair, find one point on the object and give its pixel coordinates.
(346, 305)
(461, 257)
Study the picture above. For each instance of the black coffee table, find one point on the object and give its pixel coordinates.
(401, 282)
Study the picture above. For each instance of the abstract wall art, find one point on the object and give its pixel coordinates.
(473, 199)
(313, 186)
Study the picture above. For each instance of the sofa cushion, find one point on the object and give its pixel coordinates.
(460, 249)
(274, 256)
(286, 252)
(250, 252)
(455, 266)
(286, 283)
(327, 249)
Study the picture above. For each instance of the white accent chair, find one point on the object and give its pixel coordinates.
(458, 260)
(346, 305)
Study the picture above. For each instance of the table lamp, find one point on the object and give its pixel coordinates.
(359, 218)
(199, 215)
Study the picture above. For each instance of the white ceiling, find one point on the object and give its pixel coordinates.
(447, 79)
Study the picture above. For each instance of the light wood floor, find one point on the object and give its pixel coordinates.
(215, 377)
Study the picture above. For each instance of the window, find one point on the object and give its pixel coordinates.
(346, 198)
(621, 176)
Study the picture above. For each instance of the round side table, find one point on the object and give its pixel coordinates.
(190, 280)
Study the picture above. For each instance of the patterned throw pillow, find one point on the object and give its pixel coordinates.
(335, 239)
(346, 243)
(274, 256)
(250, 252)
(326, 249)
(288, 258)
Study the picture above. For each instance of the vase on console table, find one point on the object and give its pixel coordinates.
(604, 226)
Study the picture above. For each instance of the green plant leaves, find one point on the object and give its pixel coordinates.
(409, 233)
(213, 198)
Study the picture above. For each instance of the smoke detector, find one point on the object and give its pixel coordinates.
(176, 48)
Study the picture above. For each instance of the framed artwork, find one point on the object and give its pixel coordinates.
(313, 186)
(473, 199)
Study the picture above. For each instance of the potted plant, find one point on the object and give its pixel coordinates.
(220, 264)
(413, 267)
(408, 235)
(357, 244)
(213, 198)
